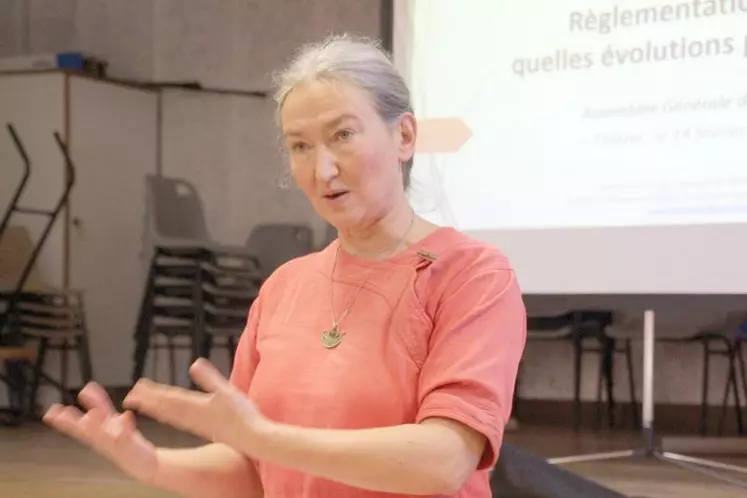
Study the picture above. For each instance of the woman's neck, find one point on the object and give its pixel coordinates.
(383, 238)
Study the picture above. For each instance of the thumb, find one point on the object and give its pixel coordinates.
(208, 377)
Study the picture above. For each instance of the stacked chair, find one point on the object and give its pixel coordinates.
(43, 319)
(36, 318)
(277, 243)
(198, 291)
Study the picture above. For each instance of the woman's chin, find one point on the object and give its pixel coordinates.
(343, 221)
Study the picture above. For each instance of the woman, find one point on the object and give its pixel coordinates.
(383, 365)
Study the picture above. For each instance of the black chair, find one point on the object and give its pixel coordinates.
(276, 243)
(719, 341)
(740, 338)
(22, 183)
(586, 330)
(31, 310)
(43, 317)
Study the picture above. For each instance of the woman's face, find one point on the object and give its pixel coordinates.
(343, 156)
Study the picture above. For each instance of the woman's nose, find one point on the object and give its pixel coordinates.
(326, 166)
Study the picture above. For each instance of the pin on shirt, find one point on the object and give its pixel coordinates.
(426, 259)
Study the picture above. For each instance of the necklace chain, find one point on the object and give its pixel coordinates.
(332, 338)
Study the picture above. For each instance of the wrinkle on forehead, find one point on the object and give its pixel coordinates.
(323, 104)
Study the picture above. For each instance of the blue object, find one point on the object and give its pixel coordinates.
(70, 60)
(741, 331)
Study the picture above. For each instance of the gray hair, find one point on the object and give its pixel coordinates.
(355, 60)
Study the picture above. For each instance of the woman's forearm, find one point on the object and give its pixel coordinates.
(420, 459)
(211, 470)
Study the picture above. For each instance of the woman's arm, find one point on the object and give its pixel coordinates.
(434, 457)
(211, 470)
(464, 389)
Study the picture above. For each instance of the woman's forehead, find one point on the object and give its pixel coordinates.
(325, 104)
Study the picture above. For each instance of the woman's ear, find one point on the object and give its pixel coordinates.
(407, 132)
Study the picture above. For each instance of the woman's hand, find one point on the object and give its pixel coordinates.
(110, 433)
(221, 414)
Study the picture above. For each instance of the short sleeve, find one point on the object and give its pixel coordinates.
(477, 342)
(246, 357)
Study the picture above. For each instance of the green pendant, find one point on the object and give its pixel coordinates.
(332, 338)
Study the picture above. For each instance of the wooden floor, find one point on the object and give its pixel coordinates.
(634, 477)
(35, 462)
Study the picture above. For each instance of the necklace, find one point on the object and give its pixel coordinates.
(333, 337)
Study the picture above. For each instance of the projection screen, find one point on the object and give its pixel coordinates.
(602, 146)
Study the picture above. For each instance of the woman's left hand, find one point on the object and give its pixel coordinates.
(221, 414)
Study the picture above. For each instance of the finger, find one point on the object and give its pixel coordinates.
(118, 428)
(180, 408)
(94, 396)
(91, 427)
(163, 403)
(208, 377)
(67, 420)
(93, 420)
(143, 390)
(52, 413)
(129, 422)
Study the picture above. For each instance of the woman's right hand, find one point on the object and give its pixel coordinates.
(112, 434)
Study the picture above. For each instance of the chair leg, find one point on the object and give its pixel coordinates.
(730, 381)
(172, 359)
(735, 389)
(64, 363)
(704, 391)
(600, 388)
(155, 354)
(84, 358)
(635, 414)
(609, 375)
(231, 345)
(732, 385)
(144, 321)
(742, 371)
(16, 378)
(37, 375)
(577, 363)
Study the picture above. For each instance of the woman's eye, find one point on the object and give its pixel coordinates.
(298, 147)
(344, 134)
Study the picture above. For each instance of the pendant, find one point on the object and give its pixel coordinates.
(332, 338)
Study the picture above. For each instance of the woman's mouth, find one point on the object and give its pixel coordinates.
(335, 195)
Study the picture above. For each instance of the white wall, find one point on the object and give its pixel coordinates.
(36, 112)
(237, 45)
(113, 143)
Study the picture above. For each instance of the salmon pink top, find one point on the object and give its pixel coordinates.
(431, 334)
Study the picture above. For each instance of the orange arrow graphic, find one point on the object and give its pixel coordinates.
(441, 135)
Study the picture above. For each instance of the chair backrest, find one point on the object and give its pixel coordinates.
(735, 324)
(15, 253)
(277, 243)
(174, 209)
